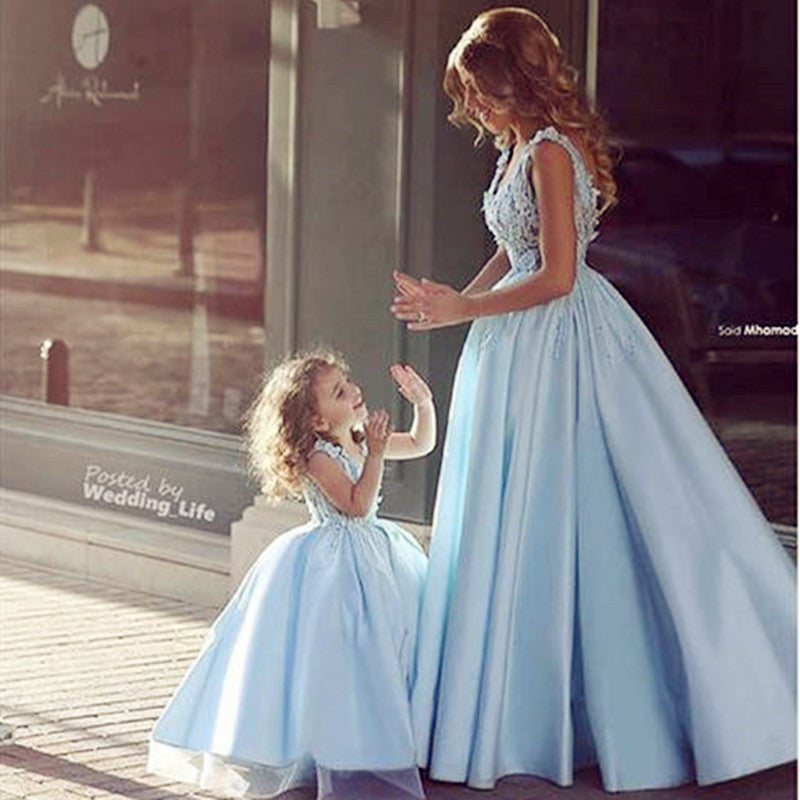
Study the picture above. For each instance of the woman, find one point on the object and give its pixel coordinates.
(602, 586)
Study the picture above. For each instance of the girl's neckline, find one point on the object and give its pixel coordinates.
(356, 459)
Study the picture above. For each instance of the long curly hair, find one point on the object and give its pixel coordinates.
(517, 62)
(280, 424)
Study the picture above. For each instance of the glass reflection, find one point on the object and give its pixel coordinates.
(132, 222)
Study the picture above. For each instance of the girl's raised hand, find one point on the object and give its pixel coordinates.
(377, 430)
(410, 384)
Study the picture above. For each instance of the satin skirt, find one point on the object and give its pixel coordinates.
(305, 676)
(602, 588)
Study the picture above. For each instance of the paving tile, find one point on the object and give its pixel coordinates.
(23, 783)
(51, 793)
(92, 667)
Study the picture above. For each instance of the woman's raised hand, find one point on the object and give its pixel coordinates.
(425, 304)
(410, 384)
(377, 430)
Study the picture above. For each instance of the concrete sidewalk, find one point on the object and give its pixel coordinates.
(86, 668)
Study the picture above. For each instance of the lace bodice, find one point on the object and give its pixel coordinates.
(509, 204)
(320, 508)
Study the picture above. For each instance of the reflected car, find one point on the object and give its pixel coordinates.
(703, 245)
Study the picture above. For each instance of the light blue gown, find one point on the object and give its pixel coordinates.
(306, 672)
(602, 587)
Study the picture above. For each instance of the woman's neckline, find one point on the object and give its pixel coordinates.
(508, 168)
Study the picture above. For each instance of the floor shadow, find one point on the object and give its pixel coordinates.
(56, 767)
(108, 592)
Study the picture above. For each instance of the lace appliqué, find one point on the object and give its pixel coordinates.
(615, 343)
(511, 214)
(319, 506)
(509, 209)
(560, 336)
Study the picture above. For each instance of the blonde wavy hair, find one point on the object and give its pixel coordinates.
(280, 424)
(517, 61)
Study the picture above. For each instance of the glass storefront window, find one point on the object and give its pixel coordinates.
(132, 224)
(704, 240)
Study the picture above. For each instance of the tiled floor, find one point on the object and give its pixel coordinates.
(85, 669)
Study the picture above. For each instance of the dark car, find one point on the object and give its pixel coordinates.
(703, 245)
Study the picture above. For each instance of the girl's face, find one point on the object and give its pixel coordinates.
(340, 406)
(487, 109)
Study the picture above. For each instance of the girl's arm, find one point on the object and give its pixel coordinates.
(491, 272)
(441, 305)
(354, 499)
(421, 438)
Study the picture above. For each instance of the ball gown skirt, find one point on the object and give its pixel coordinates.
(602, 587)
(305, 675)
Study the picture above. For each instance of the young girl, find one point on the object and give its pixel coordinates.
(602, 586)
(308, 668)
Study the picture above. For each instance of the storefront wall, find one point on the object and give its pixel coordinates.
(136, 199)
(256, 179)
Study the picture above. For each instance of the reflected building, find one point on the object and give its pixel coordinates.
(192, 189)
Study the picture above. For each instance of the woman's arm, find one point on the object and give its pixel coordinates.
(491, 272)
(441, 305)
(421, 438)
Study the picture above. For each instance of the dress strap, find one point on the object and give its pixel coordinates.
(583, 176)
(552, 134)
(338, 454)
(329, 448)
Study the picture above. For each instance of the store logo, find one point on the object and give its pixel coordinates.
(90, 36)
(91, 90)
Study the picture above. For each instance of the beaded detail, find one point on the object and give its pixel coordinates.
(624, 343)
(511, 214)
(510, 211)
(560, 335)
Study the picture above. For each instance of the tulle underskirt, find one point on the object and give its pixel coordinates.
(234, 778)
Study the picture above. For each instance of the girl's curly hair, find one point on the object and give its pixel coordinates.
(280, 424)
(516, 60)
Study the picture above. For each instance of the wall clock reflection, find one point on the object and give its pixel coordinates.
(90, 36)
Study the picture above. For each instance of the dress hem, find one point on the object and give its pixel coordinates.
(247, 779)
(490, 785)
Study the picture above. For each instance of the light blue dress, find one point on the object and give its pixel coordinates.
(602, 587)
(306, 673)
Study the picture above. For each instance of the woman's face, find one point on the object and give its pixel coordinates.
(486, 109)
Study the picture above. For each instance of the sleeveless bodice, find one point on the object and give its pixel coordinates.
(319, 506)
(510, 211)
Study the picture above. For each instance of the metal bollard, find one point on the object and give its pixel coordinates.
(185, 212)
(90, 229)
(55, 374)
